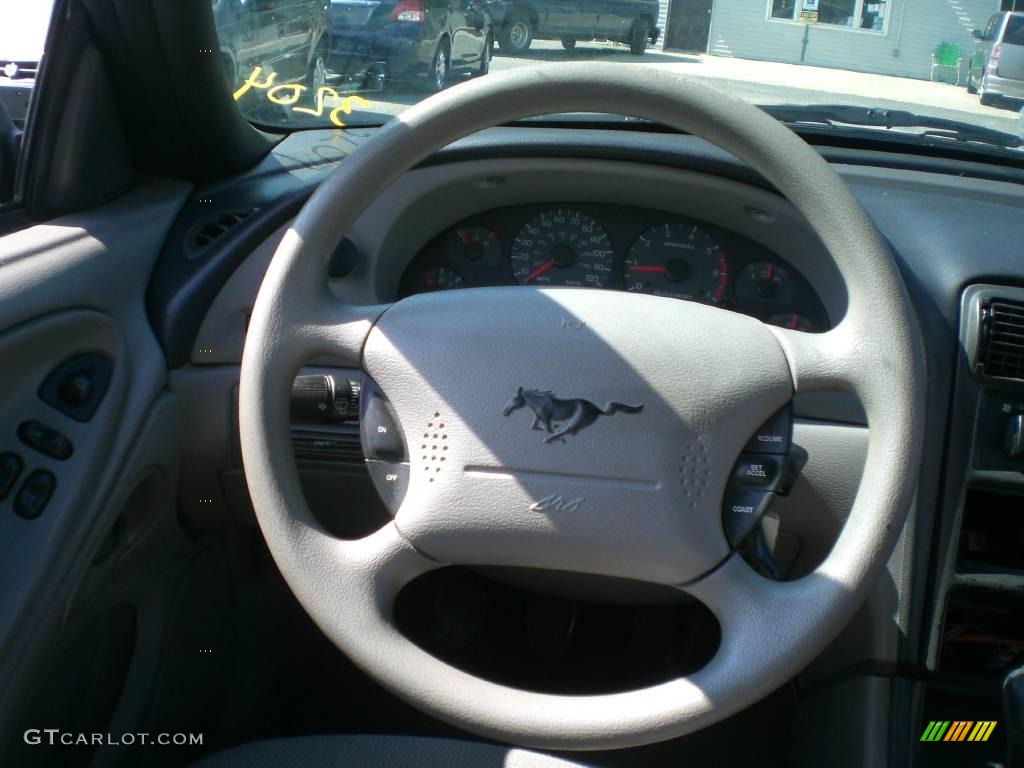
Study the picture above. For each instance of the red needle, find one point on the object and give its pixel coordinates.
(539, 271)
(646, 269)
(792, 323)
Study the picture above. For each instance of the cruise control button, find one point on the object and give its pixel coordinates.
(381, 437)
(775, 434)
(742, 511)
(45, 440)
(761, 471)
(35, 492)
(10, 468)
(391, 479)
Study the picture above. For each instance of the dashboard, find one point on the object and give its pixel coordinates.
(617, 248)
(455, 221)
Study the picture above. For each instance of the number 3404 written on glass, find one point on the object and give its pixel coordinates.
(288, 95)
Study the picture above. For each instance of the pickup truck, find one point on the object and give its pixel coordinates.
(520, 22)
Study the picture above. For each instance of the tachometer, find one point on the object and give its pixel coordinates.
(562, 247)
(678, 260)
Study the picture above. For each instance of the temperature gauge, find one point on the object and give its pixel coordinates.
(765, 281)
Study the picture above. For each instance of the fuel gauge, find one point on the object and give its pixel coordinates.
(478, 245)
(765, 281)
(791, 320)
(439, 279)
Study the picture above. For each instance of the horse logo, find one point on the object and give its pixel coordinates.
(573, 415)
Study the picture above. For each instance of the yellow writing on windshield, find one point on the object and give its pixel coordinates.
(290, 94)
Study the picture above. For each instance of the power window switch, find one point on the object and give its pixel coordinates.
(34, 494)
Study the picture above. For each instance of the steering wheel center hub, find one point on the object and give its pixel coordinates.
(572, 428)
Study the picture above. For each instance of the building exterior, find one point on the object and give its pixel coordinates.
(889, 37)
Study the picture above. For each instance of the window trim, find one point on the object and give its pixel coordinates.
(858, 11)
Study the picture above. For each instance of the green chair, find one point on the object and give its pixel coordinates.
(947, 56)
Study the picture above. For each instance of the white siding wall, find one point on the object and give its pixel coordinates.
(739, 28)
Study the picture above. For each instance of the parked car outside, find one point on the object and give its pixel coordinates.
(520, 22)
(22, 37)
(996, 69)
(290, 38)
(409, 41)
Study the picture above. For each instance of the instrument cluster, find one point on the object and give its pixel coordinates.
(620, 248)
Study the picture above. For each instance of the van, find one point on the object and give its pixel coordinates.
(996, 69)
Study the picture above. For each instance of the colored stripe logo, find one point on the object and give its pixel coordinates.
(958, 730)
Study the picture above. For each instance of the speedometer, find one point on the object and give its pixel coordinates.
(562, 246)
(678, 260)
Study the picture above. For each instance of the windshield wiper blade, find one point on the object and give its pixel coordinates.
(833, 116)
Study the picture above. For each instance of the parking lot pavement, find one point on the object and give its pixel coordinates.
(763, 82)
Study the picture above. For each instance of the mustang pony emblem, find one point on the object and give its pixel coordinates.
(574, 415)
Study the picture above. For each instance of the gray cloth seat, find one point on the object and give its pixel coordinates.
(372, 751)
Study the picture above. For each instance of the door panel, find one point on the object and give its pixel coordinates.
(73, 286)
(293, 22)
(458, 27)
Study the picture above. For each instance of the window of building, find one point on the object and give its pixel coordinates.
(783, 9)
(862, 15)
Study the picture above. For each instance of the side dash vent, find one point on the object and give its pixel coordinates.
(215, 227)
(1002, 338)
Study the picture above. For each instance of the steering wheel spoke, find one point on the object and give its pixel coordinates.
(820, 362)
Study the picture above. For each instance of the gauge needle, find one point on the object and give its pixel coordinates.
(539, 271)
(646, 269)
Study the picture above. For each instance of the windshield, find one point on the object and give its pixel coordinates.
(23, 31)
(920, 68)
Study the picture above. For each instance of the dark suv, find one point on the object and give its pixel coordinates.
(519, 22)
(422, 41)
(287, 37)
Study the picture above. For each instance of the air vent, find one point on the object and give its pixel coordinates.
(1002, 338)
(332, 446)
(217, 226)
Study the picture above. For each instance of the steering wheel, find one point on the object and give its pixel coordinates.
(641, 493)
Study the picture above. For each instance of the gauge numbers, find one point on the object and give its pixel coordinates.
(678, 260)
(562, 246)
